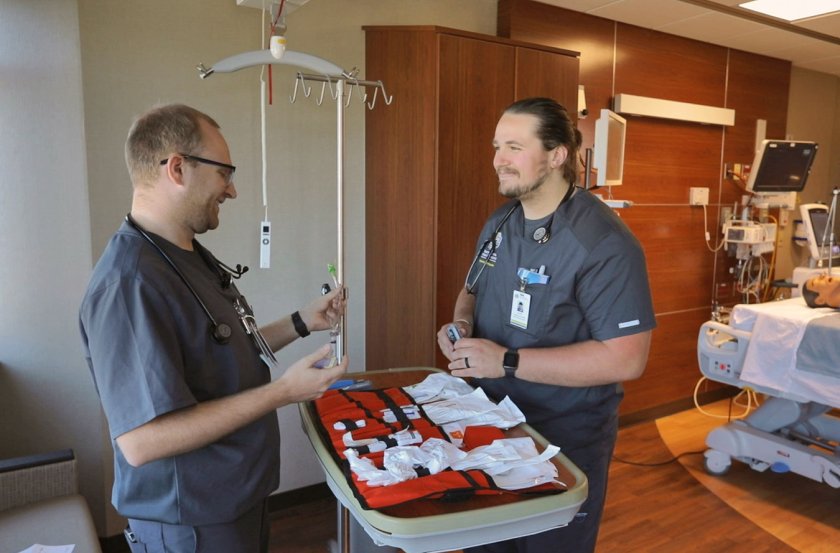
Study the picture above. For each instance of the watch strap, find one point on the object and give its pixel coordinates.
(300, 326)
(510, 362)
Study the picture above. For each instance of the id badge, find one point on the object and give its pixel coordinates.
(519, 309)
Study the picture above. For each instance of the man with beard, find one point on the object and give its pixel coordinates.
(181, 369)
(556, 311)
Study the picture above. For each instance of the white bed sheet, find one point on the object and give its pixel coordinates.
(777, 329)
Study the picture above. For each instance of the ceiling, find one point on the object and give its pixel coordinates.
(810, 44)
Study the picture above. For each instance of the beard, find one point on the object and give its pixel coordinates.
(523, 190)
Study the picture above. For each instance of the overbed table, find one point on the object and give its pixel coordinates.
(428, 526)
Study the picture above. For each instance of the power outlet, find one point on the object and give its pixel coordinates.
(698, 196)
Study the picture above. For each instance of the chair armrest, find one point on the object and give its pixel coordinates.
(36, 477)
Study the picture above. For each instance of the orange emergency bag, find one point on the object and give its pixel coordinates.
(341, 411)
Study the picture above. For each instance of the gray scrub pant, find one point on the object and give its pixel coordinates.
(247, 534)
(582, 532)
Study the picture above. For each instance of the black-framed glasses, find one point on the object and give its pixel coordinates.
(228, 174)
(487, 249)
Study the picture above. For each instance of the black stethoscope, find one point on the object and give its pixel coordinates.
(221, 332)
(540, 236)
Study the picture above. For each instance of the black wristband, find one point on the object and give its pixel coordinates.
(300, 326)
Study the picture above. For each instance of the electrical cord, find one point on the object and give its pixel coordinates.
(752, 402)
(657, 463)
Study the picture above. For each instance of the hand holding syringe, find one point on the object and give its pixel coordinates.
(335, 331)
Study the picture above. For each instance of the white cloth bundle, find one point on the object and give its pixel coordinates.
(438, 386)
(513, 463)
(475, 409)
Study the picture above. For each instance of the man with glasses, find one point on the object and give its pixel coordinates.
(556, 311)
(181, 368)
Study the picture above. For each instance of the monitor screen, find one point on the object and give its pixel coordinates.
(610, 131)
(815, 218)
(781, 166)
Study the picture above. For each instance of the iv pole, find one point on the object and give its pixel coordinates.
(327, 73)
(829, 228)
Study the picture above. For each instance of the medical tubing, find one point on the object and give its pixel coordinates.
(751, 401)
(772, 269)
(706, 234)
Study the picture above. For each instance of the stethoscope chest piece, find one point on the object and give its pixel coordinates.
(541, 235)
(220, 332)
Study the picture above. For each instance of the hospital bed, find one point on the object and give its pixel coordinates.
(790, 353)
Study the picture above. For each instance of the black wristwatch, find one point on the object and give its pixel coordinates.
(511, 362)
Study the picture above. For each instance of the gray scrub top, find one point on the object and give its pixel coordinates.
(148, 345)
(598, 289)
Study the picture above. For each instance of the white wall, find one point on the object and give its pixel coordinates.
(46, 395)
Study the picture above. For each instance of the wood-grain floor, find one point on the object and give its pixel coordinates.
(649, 508)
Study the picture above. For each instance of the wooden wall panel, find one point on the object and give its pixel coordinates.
(401, 139)
(758, 89)
(596, 67)
(650, 63)
(679, 265)
(672, 370)
(663, 159)
(467, 183)
(540, 73)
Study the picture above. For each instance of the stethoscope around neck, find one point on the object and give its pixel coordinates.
(541, 236)
(221, 332)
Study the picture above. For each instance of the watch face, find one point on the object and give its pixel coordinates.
(511, 360)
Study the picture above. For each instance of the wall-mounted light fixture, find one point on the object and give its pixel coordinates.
(669, 109)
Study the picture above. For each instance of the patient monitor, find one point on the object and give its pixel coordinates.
(822, 243)
(779, 170)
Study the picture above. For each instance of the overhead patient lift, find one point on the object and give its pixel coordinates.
(341, 84)
(791, 431)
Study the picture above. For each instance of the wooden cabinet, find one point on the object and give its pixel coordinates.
(430, 182)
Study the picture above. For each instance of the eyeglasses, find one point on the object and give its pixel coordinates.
(485, 252)
(227, 174)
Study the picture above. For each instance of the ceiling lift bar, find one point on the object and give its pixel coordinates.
(327, 74)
